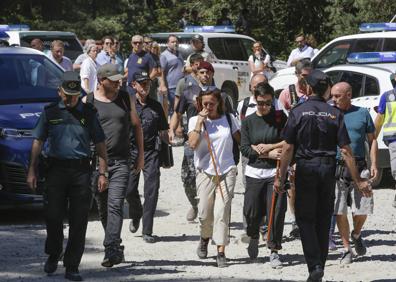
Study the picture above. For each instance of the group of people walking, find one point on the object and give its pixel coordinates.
(298, 146)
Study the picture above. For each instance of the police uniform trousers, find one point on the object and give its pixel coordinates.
(188, 175)
(67, 191)
(151, 173)
(315, 194)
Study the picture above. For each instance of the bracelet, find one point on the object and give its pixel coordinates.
(197, 131)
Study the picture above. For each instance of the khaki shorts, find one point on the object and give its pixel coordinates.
(360, 205)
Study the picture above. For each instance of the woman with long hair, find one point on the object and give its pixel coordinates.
(211, 134)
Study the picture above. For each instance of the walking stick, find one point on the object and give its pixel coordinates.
(273, 200)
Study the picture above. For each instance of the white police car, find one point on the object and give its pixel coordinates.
(337, 51)
(230, 51)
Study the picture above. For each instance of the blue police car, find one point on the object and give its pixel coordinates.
(28, 81)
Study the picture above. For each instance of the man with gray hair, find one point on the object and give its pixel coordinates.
(56, 54)
(80, 59)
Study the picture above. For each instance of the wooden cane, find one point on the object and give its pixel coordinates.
(273, 200)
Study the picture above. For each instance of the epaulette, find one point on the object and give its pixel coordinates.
(51, 105)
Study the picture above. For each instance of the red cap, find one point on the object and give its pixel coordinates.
(206, 65)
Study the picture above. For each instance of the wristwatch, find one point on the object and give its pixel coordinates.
(105, 174)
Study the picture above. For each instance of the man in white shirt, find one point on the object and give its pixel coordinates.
(301, 52)
(56, 54)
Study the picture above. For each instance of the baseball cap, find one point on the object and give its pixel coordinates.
(140, 76)
(197, 37)
(206, 65)
(71, 83)
(109, 71)
(317, 77)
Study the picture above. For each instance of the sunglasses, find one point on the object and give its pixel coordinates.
(148, 42)
(264, 103)
(137, 42)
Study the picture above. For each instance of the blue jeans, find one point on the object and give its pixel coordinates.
(171, 99)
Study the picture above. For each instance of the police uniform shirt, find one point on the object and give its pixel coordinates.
(138, 62)
(153, 120)
(316, 128)
(69, 131)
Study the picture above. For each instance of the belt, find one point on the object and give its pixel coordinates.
(70, 162)
(111, 162)
(319, 160)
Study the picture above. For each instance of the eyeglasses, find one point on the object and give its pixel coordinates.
(108, 43)
(264, 103)
(137, 42)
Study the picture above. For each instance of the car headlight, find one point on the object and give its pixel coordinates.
(15, 133)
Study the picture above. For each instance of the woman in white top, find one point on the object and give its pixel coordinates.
(258, 61)
(216, 169)
(88, 70)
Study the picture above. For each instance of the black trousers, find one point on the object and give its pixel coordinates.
(315, 188)
(67, 186)
(257, 203)
(151, 173)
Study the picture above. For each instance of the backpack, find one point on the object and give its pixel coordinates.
(245, 106)
(235, 146)
(293, 95)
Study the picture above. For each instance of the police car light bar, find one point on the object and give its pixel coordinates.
(14, 27)
(370, 27)
(371, 57)
(209, 28)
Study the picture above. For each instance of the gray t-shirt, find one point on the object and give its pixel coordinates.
(172, 66)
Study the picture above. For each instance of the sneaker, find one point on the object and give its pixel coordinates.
(202, 250)
(332, 244)
(295, 232)
(253, 248)
(221, 260)
(360, 247)
(134, 225)
(275, 261)
(51, 264)
(113, 256)
(73, 274)
(148, 238)
(192, 214)
(346, 257)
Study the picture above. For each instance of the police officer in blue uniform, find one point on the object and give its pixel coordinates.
(314, 130)
(69, 126)
(155, 131)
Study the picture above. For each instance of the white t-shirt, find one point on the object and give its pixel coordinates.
(222, 144)
(306, 52)
(258, 62)
(88, 70)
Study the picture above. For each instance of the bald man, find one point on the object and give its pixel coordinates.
(37, 44)
(360, 127)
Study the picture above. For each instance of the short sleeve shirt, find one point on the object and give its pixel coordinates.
(305, 52)
(316, 129)
(285, 99)
(142, 61)
(172, 66)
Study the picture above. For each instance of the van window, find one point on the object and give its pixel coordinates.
(335, 54)
(235, 50)
(28, 78)
(371, 87)
(248, 44)
(334, 76)
(366, 45)
(217, 47)
(389, 44)
(72, 47)
(355, 80)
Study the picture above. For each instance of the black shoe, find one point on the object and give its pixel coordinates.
(295, 232)
(51, 264)
(221, 260)
(360, 247)
(316, 274)
(134, 225)
(148, 238)
(73, 275)
(113, 256)
(202, 250)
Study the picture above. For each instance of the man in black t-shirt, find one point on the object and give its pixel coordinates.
(155, 131)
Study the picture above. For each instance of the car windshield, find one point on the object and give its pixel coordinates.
(72, 47)
(28, 78)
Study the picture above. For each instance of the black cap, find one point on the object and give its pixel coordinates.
(317, 77)
(71, 83)
(197, 37)
(140, 76)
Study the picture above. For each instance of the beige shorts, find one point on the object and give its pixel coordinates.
(360, 205)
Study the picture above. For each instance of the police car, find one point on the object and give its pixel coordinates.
(337, 51)
(28, 81)
(231, 52)
(21, 35)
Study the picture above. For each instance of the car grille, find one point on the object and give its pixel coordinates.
(13, 178)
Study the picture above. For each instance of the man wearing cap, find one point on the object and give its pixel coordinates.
(117, 115)
(198, 46)
(172, 70)
(155, 131)
(69, 126)
(314, 130)
(385, 120)
(187, 104)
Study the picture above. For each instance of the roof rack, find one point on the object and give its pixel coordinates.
(209, 28)
(371, 57)
(372, 27)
